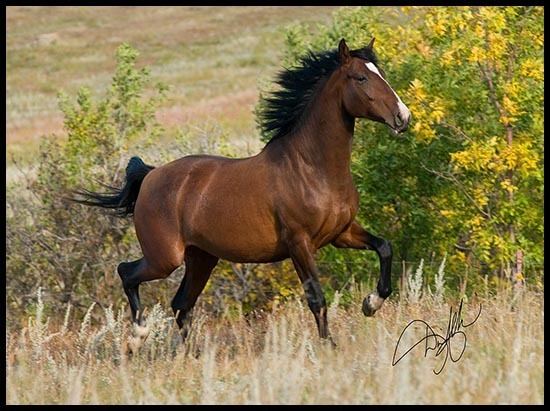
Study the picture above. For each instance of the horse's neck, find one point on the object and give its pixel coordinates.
(324, 139)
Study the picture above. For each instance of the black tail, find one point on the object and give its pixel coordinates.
(124, 199)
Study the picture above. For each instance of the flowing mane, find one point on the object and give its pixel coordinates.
(283, 108)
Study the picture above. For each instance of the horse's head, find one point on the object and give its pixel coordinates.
(366, 92)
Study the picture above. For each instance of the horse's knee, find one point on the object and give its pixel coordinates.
(385, 249)
(316, 304)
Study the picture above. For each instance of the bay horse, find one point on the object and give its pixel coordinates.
(294, 197)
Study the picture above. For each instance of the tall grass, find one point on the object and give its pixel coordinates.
(277, 358)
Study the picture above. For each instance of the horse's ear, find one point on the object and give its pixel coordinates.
(343, 52)
(371, 44)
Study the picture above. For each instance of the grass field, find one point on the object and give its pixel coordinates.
(212, 58)
(277, 358)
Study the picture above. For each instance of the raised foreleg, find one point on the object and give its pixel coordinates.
(357, 237)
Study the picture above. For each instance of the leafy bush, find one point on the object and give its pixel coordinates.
(69, 250)
(466, 180)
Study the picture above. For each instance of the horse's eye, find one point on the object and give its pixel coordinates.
(361, 79)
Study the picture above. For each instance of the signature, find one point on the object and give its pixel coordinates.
(442, 345)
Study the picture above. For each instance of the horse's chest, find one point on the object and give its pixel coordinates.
(338, 215)
(319, 210)
(330, 216)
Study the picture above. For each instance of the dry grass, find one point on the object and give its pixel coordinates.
(276, 358)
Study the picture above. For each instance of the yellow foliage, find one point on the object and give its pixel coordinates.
(459, 257)
(479, 30)
(511, 108)
(505, 120)
(533, 68)
(508, 186)
(529, 163)
(424, 49)
(537, 38)
(520, 277)
(476, 221)
(509, 157)
(480, 196)
(423, 131)
(448, 213)
(418, 90)
(520, 156)
(448, 58)
(493, 18)
(436, 25)
(389, 209)
(428, 113)
(436, 114)
(497, 46)
(417, 128)
(512, 89)
(477, 156)
(476, 55)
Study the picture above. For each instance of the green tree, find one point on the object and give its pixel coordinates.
(467, 178)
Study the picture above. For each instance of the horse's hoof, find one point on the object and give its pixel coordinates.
(327, 342)
(136, 340)
(141, 331)
(371, 304)
(133, 345)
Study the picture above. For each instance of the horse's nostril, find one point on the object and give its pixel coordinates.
(398, 120)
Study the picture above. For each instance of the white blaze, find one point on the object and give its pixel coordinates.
(403, 110)
(373, 68)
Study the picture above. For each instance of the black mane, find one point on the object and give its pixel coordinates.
(283, 108)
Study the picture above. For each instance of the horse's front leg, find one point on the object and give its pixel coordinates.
(301, 251)
(357, 237)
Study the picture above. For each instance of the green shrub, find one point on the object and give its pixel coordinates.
(69, 250)
(466, 180)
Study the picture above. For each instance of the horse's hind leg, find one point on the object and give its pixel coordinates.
(132, 275)
(127, 273)
(198, 267)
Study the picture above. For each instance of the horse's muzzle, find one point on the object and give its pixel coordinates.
(401, 121)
